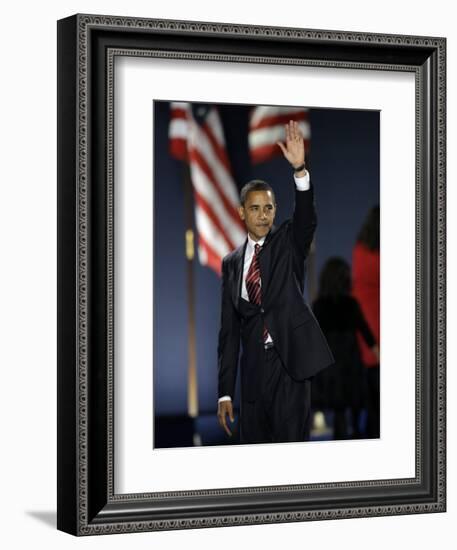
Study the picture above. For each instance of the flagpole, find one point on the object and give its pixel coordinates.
(192, 383)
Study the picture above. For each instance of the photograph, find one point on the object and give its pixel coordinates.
(266, 324)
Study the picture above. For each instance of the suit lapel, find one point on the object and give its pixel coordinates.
(264, 262)
(239, 264)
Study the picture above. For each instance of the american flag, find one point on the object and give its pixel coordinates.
(266, 127)
(197, 137)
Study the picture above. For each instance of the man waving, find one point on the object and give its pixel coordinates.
(263, 309)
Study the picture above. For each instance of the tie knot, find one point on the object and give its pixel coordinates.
(257, 248)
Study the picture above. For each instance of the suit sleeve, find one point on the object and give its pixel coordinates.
(304, 221)
(229, 339)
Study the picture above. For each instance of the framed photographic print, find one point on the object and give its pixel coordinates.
(340, 137)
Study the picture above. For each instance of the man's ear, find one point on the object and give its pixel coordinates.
(241, 212)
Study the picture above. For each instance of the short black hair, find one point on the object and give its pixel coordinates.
(255, 185)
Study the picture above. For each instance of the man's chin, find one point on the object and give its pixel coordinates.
(262, 232)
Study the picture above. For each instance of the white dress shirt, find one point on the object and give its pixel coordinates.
(302, 184)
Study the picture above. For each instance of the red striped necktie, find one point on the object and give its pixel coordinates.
(253, 283)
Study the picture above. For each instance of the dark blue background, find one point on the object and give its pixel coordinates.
(344, 166)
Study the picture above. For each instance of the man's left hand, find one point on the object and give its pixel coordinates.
(294, 150)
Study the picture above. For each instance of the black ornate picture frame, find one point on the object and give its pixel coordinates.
(87, 47)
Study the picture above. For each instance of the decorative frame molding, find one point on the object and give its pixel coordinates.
(88, 45)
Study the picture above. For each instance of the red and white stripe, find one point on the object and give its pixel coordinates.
(219, 227)
(266, 127)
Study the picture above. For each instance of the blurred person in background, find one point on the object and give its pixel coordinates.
(340, 387)
(366, 282)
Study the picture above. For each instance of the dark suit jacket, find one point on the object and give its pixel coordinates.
(296, 334)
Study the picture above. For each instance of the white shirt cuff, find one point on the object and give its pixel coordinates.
(224, 398)
(303, 182)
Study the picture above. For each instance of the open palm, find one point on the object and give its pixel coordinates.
(294, 149)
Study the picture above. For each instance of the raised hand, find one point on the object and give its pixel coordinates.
(294, 150)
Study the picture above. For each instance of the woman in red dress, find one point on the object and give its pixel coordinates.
(366, 284)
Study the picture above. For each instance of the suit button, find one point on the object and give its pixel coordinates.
(262, 310)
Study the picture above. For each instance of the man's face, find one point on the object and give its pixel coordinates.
(258, 213)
